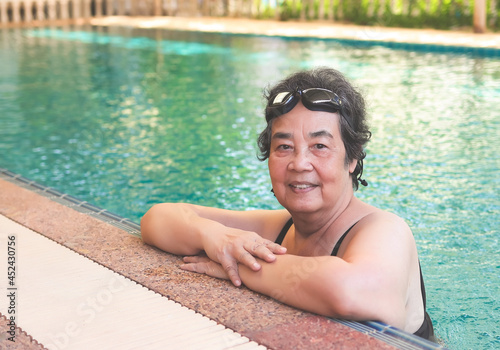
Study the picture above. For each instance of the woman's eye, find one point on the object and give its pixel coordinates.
(319, 146)
(284, 147)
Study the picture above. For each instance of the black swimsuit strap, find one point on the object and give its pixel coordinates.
(339, 242)
(422, 286)
(426, 330)
(289, 223)
(283, 232)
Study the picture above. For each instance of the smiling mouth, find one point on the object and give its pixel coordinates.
(302, 186)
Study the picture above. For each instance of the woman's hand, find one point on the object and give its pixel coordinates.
(237, 246)
(227, 237)
(203, 264)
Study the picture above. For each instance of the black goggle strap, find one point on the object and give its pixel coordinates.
(285, 101)
(360, 180)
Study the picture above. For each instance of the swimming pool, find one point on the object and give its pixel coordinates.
(126, 118)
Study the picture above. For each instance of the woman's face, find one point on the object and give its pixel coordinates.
(307, 161)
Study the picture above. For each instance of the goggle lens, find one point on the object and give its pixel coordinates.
(314, 99)
(282, 98)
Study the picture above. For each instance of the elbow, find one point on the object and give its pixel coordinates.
(145, 227)
(145, 233)
(332, 296)
(340, 304)
(149, 223)
(344, 297)
(166, 226)
(334, 292)
(343, 307)
(364, 303)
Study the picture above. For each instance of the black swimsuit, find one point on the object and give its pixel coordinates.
(426, 330)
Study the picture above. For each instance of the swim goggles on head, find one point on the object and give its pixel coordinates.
(314, 99)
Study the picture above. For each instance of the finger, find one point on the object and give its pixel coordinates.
(231, 268)
(260, 250)
(208, 269)
(276, 248)
(193, 267)
(195, 259)
(248, 260)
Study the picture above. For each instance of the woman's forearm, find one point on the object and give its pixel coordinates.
(327, 286)
(174, 228)
(296, 281)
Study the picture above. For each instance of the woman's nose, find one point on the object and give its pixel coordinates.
(300, 161)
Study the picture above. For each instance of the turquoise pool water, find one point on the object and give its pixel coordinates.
(127, 118)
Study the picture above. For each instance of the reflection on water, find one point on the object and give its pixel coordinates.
(125, 122)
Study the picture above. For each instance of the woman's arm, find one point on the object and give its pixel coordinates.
(225, 236)
(172, 228)
(369, 282)
(324, 285)
(327, 286)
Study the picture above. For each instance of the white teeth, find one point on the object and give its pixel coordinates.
(301, 187)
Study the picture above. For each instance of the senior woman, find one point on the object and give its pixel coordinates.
(327, 252)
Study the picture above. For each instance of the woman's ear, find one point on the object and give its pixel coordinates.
(352, 165)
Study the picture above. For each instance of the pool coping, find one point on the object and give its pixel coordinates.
(426, 40)
(286, 327)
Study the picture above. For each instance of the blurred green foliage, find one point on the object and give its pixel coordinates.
(437, 14)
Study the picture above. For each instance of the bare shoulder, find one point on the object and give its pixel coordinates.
(381, 235)
(386, 223)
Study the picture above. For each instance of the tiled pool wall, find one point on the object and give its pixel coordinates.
(431, 48)
(72, 202)
(290, 326)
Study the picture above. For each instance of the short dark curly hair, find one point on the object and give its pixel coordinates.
(353, 108)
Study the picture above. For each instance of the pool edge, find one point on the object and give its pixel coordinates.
(384, 333)
(424, 40)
